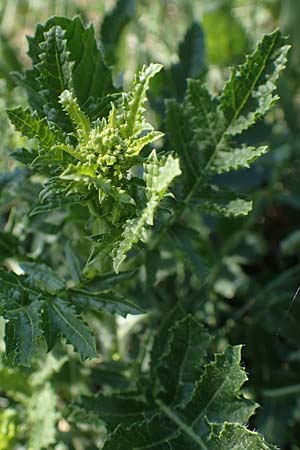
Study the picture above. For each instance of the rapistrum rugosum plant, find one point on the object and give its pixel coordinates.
(111, 189)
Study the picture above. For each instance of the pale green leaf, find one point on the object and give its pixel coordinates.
(42, 417)
(79, 119)
(137, 97)
(31, 126)
(232, 436)
(249, 93)
(158, 176)
(237, 158)
(136, 145)
(221, 201)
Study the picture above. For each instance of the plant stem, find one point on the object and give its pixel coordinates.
(182, 425)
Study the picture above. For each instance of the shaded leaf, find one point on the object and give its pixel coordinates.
(66, 321)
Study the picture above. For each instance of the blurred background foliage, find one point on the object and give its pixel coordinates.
(237, 276)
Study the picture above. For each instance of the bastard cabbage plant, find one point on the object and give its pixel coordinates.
(101, 204)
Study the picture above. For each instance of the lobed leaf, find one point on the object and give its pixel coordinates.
(211, 413)
(136, 98)
(202, 128)
(182, 359)
(248, 94)
(158, 176)
(108, 300)
(32, 127)
(23, 330)
(115, 410)
(216, 394)
(42, 277)
(230, 435)
(68, 323)
(64, 53)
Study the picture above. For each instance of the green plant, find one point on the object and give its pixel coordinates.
(104, 218)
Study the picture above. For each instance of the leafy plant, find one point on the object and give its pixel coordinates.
(99, 224)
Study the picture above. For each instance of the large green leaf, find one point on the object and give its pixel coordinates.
(159, 435)
(182, 360)
(216, 396)
(38, 304)
(202, 128)
(186, 403)
(64, 53)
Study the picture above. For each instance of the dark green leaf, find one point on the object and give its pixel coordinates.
(113, 26)
(66, 322)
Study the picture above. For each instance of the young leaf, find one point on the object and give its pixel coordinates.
(158, 176)
(134, 120)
